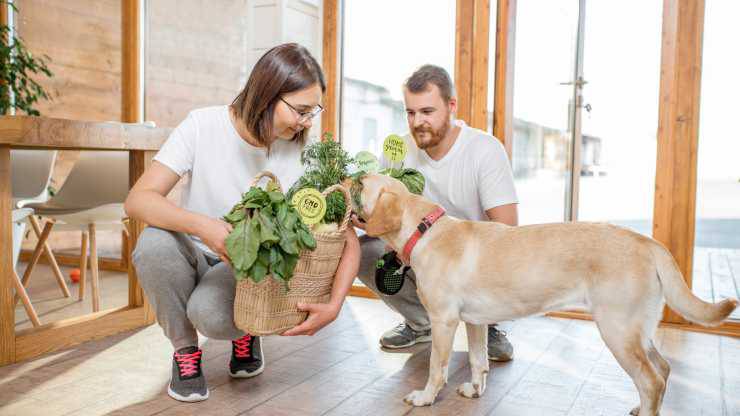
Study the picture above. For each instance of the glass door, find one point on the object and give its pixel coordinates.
(586, 111)
(717, 237)
(546, 44)
(619, 113)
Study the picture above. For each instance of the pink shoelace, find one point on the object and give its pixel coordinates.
(188, 363)
(242, 346)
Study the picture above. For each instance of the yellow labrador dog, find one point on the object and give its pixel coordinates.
(486, 272)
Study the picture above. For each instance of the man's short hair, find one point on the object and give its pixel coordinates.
(431, 74)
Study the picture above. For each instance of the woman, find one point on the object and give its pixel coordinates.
(181, 258)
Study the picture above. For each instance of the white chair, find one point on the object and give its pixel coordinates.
(30, 174)
(19, 217)
(90, 199)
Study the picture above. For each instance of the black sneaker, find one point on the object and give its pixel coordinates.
(188, 383)
(499, 347)
(404, 336)
(247, 359)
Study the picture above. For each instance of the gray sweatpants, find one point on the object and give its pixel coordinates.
(406, 301)
(188, 289)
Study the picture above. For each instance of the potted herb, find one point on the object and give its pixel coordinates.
(19, 70)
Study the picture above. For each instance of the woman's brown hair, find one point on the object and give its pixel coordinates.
(283, 69)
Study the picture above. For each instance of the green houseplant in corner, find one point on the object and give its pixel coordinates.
(19, 71)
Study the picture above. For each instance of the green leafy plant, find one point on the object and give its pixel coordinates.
(19, 70)
(326, 164)
(268, 236)
(412, 178)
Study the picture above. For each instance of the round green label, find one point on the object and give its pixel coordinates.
(310, 204)
(367, 162)
(394, 148)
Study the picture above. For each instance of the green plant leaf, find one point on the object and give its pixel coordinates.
(290, 263)
(268, 232)
(288, 243)
(235, 245)
(282, 213)
(276, 196)
(235, 216)
(259, 271)
(307, 239)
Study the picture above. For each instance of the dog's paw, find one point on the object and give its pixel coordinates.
(418, 398)
(470, 390)
(635, 411)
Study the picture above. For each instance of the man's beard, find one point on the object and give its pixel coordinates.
(435, 136)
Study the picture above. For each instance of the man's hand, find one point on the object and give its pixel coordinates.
(357, 222)
(213, 233)
(319, 316)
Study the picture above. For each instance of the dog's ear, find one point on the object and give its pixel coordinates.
(386, 215)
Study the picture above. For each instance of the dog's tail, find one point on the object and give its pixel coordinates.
(679, 296)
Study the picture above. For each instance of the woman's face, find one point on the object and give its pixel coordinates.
(289, 121)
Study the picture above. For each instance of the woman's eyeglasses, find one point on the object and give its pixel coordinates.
(304, 116)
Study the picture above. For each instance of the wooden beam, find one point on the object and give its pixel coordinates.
(7, 305)
(503, 100)
(471, 61)
(56, 133)
(131, 98)
(480, 60)
(138, 162)
(731, 329)
(362, 291)
(464, 28)
(4, 17)
(7, 308)
(332, 66)
(678, 130)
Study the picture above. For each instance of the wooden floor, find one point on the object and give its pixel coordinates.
(561, 367)
(717, 275)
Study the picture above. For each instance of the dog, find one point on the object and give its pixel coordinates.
(485, 272)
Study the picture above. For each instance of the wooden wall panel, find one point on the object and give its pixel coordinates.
(132, 110)
(331, 65)
(464, 34)
(193, 62)
(678, 132)
(471, 61)
(479, 87)
(83, 39)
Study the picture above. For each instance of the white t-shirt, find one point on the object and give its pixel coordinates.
(221, 164)
(474, 176)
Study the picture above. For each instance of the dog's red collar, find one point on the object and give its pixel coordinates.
(425, 224)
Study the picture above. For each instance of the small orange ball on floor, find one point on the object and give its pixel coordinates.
(74, 275)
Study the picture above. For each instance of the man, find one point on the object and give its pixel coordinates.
(467, 171)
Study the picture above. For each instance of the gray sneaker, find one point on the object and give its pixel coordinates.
(188, 384)
(247, 359)
(499, 348)
(404, 336)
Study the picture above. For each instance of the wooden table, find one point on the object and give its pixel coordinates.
(25, 132)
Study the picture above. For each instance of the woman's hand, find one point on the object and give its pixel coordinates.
(319, 316)
(213, 232)
(322, 314)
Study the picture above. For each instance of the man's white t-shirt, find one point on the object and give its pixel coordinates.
(221, 164)
(474, 176)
